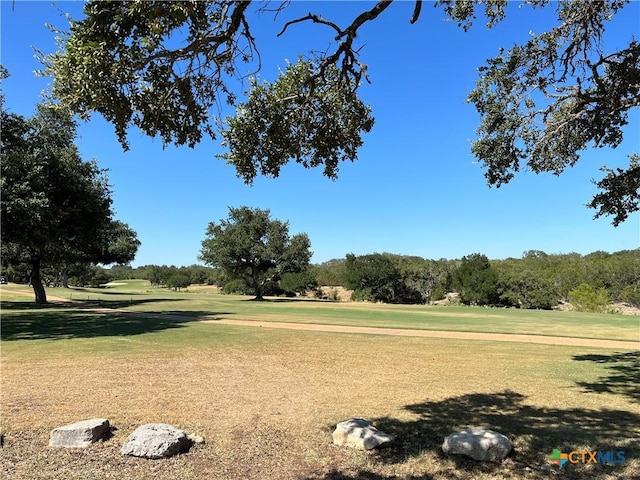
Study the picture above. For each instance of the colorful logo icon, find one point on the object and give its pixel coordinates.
(558, 458)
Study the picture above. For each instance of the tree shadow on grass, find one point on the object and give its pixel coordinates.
(29, 321)
(268, 300)
(623, 378)
(366, 475)
(534, 432)
(81, 304)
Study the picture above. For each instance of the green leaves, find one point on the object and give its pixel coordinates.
(251, 247)
(476, 280)
(544, 102)
(620, 192)
(117, 62)
(167, 67)
(312, 119)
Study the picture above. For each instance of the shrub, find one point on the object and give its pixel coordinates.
(585, 298)
(631, 294)
(438, 294)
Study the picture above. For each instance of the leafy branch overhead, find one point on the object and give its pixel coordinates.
(296, 117)
(169, 67)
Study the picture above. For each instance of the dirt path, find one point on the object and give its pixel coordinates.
(497, 337)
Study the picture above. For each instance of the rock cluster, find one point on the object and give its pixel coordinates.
(160, 440)
(153, 440)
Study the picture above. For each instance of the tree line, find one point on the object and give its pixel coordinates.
(536, 280)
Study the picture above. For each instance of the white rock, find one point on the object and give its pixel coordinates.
(79, 434)
(478, 443)
(197, 439)
(359, 433)
(156, 440)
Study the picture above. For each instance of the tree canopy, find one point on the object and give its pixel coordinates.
(167, 67)
(475, 280)
(252, 247)
(56, 208)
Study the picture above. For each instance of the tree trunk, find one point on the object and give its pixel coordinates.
(254, 282)
(259, 296)
(36, 282)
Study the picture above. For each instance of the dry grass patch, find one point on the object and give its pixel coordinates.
(266, 401)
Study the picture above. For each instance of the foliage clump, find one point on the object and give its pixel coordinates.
(586, 298)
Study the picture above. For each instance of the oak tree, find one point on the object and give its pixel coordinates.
(165, 67)
(56, 208)
(252, 247)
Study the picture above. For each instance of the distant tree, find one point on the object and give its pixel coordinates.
(330, 273)
(122, 272)
(428, 279)
(198, 274)
(374, 277)
(476, 281)
(92, 276)
(631, 294)
(158, 275)
(178, 280)
(526, 289)
(251, 247)
(392, 278)
(300, 282)
(166, 68)
(56, 208)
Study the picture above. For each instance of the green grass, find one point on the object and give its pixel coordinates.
(138, 296)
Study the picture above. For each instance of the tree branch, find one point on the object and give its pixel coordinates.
(416, 12)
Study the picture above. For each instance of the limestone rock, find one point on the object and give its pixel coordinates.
(195, 439)
(359, 433)
(478, 443)
(79, 434)
(156, 440)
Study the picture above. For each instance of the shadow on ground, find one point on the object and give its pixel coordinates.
(534, 432)
(623, 378)
(286, 300)
(30, 321)
(365, 475)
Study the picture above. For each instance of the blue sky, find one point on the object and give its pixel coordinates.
(415, 189)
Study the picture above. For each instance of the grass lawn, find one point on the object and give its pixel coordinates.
(267, 400)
